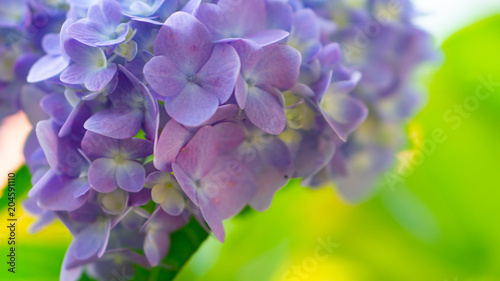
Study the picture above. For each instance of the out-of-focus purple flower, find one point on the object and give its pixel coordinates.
(102, 27)
(194, 75)
(315, 150)
(56, 58)
(8, 101)
(83, 3)
(343, 112)
(143, 8)
(116, 263)
(158, 229)
(13, 71)
(14, 14)
(90, 229)
(115, 162)
(269, 160)
(100, 246)
(44, 216)
(305, 36)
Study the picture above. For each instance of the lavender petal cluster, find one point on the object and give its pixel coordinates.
(199, 108)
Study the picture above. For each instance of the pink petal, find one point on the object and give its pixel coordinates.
(173, 137)
(229, 186)
(199, 156)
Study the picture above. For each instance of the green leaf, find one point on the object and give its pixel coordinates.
(22, 185)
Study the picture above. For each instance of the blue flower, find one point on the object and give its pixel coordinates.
(90, 66)
(102, 27)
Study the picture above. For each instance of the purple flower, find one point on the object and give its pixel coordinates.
(45, 217)
(174, 136)
(368, 161)
(306, 34)
(343, 112)
(117, 263)
(166, 192)
(315, 150)
(90, 67)
(30, 99)
(115, 162)
(133, 108)
(60, 192)
(218, 184)
(158, 229)
(264, 72)
(279, 15)
(93, 249)
(57, 107)
(90, 229)
(269, 160)
(142, 8)
(102, 26)
(61, 152)
(327, 91)
(14, 14)
(8, 101)
(14, 68)
(113, 203)
(64, 186)
(194, 75)
(255, 92)
(233, 20)
(56, 59)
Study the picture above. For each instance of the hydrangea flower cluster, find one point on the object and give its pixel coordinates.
(199, 108)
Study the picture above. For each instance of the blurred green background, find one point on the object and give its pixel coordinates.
(439, 221)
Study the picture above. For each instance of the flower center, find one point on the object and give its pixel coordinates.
(250, 82)
(100, 63)
(138, 102)
(119, 158)
(192, 78)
